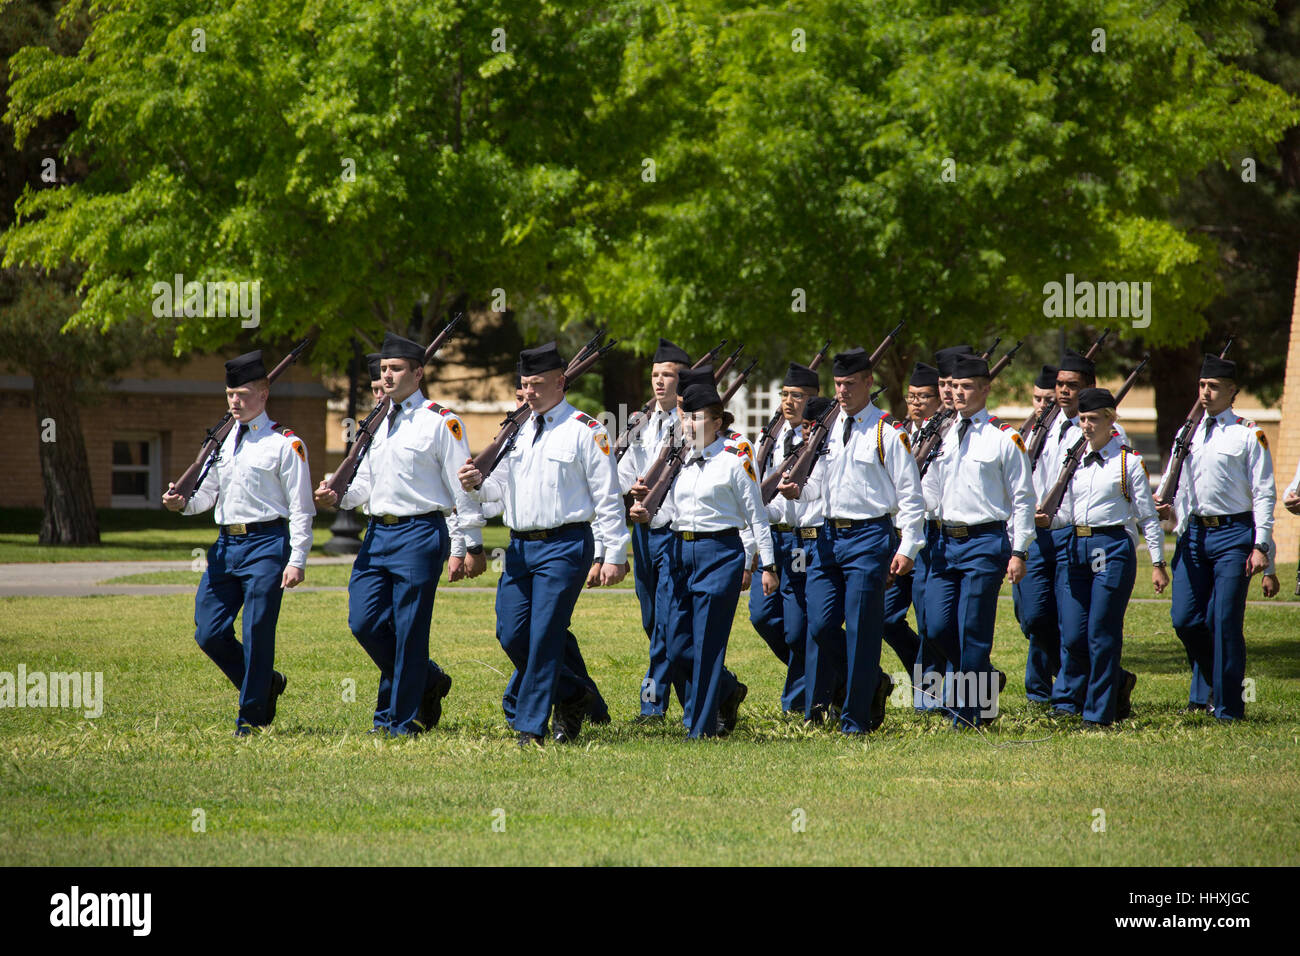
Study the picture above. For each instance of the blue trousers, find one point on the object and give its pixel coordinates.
(708, 573)
(535, 599)
(924, 664)
(781, 619)
(573, 669)
(657, 578)
(1035, 598)
(1094, 580)
(243, 571)
(846, 586)
(1209, 608)
(390, 607)
(961, 601)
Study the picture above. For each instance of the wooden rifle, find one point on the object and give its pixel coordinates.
(1043, 427)
(1182, 447)
(638, 419)
(767, 439)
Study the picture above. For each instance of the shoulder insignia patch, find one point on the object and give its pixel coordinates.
(1015, 437)
(586, 419)
(602, 441)
(749, 469)
(453, 425)
(744, 449)
(907, 442)
(1262, 439)
(299, 450)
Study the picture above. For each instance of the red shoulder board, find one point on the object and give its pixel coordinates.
(435, 407)
(587, 420)
(1240, 420)
(891, 420)
(734, 436)
(994, 420)
(282, 429)
(738, 452)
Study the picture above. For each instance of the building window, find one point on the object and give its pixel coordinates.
(136, 478)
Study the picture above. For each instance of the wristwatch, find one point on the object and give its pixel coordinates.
(1263, 549)
(1159, 564)
(474, 549)
(768, 567)
(1022, 555)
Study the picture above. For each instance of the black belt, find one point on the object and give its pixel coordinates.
(402, 519)
(963, 531)
(1215, 521)
(842, 524)
(238, 529)
(1088, 530)
(699, 535)
(546, 533)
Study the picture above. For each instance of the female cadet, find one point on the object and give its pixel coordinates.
(715, 507)
(1096, 565)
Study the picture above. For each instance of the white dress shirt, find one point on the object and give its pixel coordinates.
(855, 484)
(645, 446)
(265, 478)
(804, 511)
(563, 476)
(410, 468)
(984, 478)
(1061, 437)
(716, 490)
(1230, 473)
(1106, 493)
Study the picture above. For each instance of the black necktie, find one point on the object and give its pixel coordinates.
(392, 417)
(848, 427)
(540, 422)
(789, 443)
(1065, 427)
(1095, 457)
(239, 435)
(1209, 427)
(962, 429)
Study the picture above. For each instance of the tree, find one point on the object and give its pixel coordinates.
(67, 365)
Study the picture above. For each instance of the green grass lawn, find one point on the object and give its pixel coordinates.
(124, 788)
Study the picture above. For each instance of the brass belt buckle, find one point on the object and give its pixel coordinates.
(842, 522)
(956, 531)
(1083, 530)
(237, 528)
(1211, 521)
(389, 519)
(688, 535)
(808, 532)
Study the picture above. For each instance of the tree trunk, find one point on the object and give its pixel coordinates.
(625, 381)
(70, 517)
(1174, 374)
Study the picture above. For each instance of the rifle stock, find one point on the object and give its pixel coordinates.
(193, 476)
(1048, 418)
(767, 440)
(799, 463)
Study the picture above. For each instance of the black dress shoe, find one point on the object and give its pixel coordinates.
(526, 740)
(598, 713)
(884, 688)
(1002, 680)
(729, 711)
(1124, 700)
(431, 703)
(278, 683)
(568, 717)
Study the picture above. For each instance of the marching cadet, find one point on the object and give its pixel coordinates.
(868, 484)
(1044, 389)
(260, 484)
(574, 667)
(408, 483)
(781, 618)
(1224, 513)
(1096, 565)
(979, 484)
(919, 658)
(373, 361)
(1034, 596)
(556, 479)
(713, 504)
(651, 543)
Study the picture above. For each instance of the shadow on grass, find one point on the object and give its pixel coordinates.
(1265, 657)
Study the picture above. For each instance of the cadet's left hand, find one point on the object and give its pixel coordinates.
(746, 579)
(1292, 503)
(1159, 579)
(475, 564)
(770, 583)
(901, 564)
(455, 568)
(1015, 570)
(611, 574)
(1256, 563)
(788, 488)
(1041, 519)
(1271, 585)
(292, 577)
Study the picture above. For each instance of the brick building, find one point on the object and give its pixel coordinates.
(144, 429)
